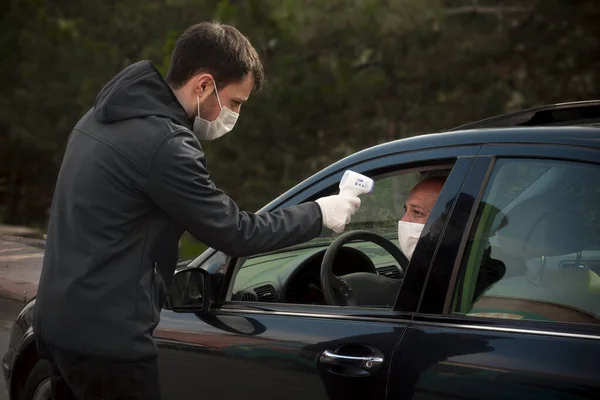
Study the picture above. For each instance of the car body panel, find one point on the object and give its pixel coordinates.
(448, 360)
(269, 355)
(8, 362)
(21, 340)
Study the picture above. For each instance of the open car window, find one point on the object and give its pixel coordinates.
(292, 275)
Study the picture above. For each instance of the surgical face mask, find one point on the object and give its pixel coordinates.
(408, 236)
(210, 130)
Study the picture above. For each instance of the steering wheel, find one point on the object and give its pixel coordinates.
(360, 288)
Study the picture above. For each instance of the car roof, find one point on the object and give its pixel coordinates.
(573, 123)
(570, 136)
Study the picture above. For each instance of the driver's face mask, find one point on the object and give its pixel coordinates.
(408, 236)
(210, 130)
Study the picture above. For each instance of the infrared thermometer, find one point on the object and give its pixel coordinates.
(355, 184)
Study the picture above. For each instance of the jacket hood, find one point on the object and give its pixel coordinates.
(138, 91)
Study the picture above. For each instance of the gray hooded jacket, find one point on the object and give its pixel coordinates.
(132, 180)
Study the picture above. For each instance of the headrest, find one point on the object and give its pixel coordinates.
(543, 226)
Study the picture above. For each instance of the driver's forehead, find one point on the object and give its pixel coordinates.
(423, 196)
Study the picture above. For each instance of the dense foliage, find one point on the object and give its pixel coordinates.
(342, 75)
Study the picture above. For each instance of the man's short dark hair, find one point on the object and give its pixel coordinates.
(218, 49)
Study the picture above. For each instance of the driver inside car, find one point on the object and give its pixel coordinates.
(417, 208)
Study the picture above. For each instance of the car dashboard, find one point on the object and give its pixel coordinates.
(294, 276)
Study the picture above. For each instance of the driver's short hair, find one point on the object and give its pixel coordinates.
(441, 179)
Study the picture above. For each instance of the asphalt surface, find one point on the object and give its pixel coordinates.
(8, 312)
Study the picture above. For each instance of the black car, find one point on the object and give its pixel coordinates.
(500, 300)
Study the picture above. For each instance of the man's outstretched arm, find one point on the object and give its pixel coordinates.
(179, 183)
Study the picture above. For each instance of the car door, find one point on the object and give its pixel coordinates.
(258, 344)
(511, 308)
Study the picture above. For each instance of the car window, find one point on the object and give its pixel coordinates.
(534, 250)
(292, 275)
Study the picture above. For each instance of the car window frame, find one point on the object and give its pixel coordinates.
(374, 166)
(439, 308)
(466, 202)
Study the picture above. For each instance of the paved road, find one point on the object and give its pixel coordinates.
(20, 268)
(8, 312)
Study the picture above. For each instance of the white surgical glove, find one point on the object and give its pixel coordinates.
(337, 210)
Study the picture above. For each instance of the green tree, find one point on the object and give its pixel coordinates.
(342, 75)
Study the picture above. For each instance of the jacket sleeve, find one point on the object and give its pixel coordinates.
(179, 183)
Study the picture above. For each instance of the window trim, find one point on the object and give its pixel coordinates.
(314, 311)
(539, 328)
(456, 270)
(435, 289)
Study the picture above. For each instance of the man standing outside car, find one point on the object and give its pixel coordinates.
(132, 180)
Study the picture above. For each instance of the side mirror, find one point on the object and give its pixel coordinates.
(188, 291)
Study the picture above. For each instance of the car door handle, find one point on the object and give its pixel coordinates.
(351, 365)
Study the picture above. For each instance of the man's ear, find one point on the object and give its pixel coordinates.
(203, 86)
